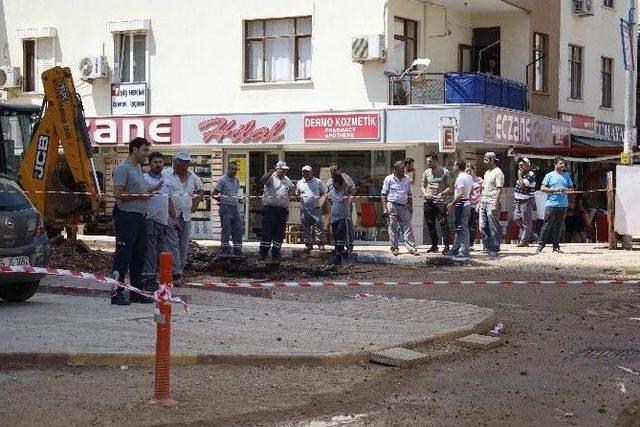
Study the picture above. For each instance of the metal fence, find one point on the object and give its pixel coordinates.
(426, 88)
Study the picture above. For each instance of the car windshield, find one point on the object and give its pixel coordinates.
(11, 197)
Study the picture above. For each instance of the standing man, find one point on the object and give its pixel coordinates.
(476, 196)
(311, 190)
(226, 193)
(556, 184)
(410, 169)
(131, 195)
(436, 185)
(462, 205)
(160, 215)
(350, 186)
(397, 202)
(524, 202)
(187, 192)
(490, 205)
(340, 200)
(278, 188)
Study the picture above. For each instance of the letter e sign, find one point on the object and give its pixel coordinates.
(447, 139)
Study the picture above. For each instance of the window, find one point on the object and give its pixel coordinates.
(541, 64)
(575, 71)
(130, 59)
(608, 3)
(406, 39)
(278, 49)
(607, 83)
(38, 56)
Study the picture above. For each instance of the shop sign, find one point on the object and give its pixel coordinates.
(447, 139)
(351, 126)
(610, 131)
(128, 98)
(512, 128)
(120, 130)
(219, 129)
(579, 122)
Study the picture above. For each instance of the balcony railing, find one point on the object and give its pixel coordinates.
(456, 88)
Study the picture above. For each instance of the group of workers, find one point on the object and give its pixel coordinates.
(153, 210)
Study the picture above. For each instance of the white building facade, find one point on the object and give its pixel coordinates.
(256, 81)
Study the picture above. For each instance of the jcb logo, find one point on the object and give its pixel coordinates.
(40, 162)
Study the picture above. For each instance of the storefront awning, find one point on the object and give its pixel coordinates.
(585, 141)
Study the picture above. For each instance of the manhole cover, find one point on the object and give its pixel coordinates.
(614, 353)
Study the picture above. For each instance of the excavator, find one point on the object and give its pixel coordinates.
(64, 186)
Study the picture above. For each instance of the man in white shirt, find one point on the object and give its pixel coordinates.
(160, 215)
(350, 184)
(462, 205)
(187, 191)
(398, 204)
(311, 190)
(277, 191)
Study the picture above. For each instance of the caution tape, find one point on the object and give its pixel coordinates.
(163, 294)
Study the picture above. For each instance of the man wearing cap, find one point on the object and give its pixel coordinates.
(187, 192)
(490, 205)
(350, 187)
(524, 202)
(311, 190)
(226, 193)
(398, 204)
(278, 188)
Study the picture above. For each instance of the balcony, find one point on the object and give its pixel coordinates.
(416, 88)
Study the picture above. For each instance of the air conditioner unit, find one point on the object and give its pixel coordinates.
(583, 7)
(368, 48)
(93, 67)
(10, 77)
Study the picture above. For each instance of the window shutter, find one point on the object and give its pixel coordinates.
(46, 57)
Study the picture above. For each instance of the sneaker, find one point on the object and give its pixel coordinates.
(395, 251)
(120, 299)
(461, 256)
(446, 250)
(142, 299)
(539, 249)
(558, 250)
(321, 248)
(413, 252)
(432, 249)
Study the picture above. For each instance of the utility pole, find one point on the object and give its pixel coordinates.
(630, 73)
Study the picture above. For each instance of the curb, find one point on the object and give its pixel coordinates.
(58, 360)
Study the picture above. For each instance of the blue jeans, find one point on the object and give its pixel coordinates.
(231, 227)
(490, 226)
(274, 225)
(131, 245)
(461, 241)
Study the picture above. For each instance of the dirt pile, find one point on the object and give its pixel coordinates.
(78, 256)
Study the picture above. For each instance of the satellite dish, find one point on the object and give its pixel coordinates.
(86, 67)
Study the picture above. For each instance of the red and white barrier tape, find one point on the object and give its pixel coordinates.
(163, 294)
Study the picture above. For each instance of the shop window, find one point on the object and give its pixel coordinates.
(607, 82)
(406, 39)
(278, 49)
(130, 58)
(541, 65)
(575, 71)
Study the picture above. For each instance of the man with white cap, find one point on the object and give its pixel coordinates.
(277, 191)
(187, 192)
(524, 202)
(311, 190)
(490, 205)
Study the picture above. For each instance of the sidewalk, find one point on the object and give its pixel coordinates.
(228, 329)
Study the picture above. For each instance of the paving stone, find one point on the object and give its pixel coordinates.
(476, 341)
(398, 356)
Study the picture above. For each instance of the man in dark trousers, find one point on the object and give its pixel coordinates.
(556, 185)
(436, 186)
(129, 214)
(277, 191)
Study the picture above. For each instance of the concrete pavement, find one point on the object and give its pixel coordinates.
(238, 329)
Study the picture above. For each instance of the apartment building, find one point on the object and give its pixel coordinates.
(313, 82)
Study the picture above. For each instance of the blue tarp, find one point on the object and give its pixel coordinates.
(468, 88)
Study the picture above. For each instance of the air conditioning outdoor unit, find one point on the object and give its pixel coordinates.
(93, 67)
(368, 48)
(10, 77)
(583, 7)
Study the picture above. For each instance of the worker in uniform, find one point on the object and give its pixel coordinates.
(226, 193)
(277, 191)
(311, 190)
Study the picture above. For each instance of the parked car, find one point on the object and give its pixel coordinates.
(23, 241)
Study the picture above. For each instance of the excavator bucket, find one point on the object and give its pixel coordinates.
(61, 187)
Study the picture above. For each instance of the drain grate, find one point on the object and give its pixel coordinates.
(614, 353)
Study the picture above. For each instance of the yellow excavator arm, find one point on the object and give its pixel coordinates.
(53, 181)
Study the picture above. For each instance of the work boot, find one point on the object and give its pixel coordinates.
(120, 298)
(557, 250)
(432, 249)
(336, 259)
(446, 250)
(139, 298)
(539, 249)
(307, 249)
(321, 248)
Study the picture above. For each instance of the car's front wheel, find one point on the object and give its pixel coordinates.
(18, 292)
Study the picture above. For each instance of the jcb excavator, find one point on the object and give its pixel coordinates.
(63, 187)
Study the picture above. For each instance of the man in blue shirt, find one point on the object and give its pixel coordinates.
(556, 184)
